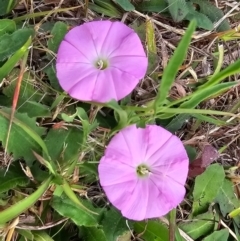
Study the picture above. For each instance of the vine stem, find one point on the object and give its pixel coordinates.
(172, 224)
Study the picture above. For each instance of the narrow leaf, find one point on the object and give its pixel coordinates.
(21, 206)
(230, 70)
(125, 5)
(41, 236)
(207, 93)
(171, 70)
(13, 60)
(122, 114)
(158, 6)
(72, 196)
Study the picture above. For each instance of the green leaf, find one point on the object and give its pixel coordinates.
(202, 20)
(152, 230)
(93, 234)
(50, 70)
(13, 60)
(12, 178)
(227, 200)
(178, 9)
(57, 34)
(230, 70)
(105, 7)
(86, 125)
(163, 110)
(6, 6)
(152, 6)
(21, 206)
(213, 13)
(27, 234)
(41, 236)
(206, 188)
(34, 109)
(68, 144)
(24, 135)
(209, 119)
(125, 5)
(221, 235)
(122, 115)
(28, 91)
(7, 26)
(114, 224)
(201, 225)
(192, 152)
(10, 43)
(171, 70)
(177, 122)
(67, 208)
(206, 93)
(72, 196)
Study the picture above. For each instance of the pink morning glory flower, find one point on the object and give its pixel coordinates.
(100, 61)
(143, 172)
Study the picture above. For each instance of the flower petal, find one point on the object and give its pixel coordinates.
(129, 66)
(145, 202)
(131, 141)
(172, 192)
(119, 194)
(83, 89)
(112, 173)
(70, 74)
(108, 36)
(80, 38)
(113, 84)
(129, 46)
(68, 53)
(171, 170)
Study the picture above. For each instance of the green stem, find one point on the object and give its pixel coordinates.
(9, 6)
(69, 192)
(172, 225)
(20, 207)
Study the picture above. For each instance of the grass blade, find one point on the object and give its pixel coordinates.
(171, 70)
(18, 208)
(207, 93)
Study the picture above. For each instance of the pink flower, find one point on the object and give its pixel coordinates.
(143, 172)
(100, 61)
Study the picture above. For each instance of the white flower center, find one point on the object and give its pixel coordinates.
(101, 64)
(143, 170)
